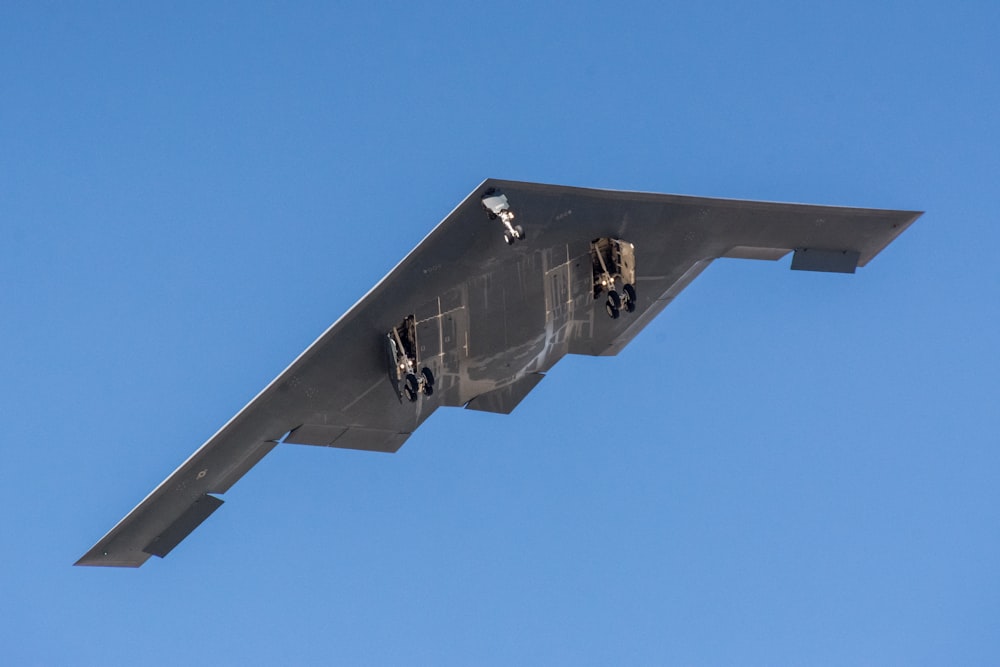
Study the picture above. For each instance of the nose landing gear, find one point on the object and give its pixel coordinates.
(497, 206)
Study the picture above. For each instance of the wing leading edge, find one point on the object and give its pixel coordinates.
(506, 285)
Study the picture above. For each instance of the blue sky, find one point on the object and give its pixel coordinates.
(803, 467)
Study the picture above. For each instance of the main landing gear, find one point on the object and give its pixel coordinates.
(403, 354)
(497, 206)
(614, 264)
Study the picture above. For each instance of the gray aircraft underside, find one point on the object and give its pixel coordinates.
(497, 293)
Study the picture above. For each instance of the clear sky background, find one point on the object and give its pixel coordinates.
(795, 468)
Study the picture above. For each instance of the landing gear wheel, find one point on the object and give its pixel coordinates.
(428, 390)
(508, 238)
(612, 311)
(411, 396)
(629, 290)
(412, 385)
(428, 377)
(519, 232)
(614, 300)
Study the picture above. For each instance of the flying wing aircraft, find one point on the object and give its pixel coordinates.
(516, 277)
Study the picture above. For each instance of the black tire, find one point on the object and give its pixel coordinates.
(428, 390)
(630, 306)
(614, 299)
(508, 238)
(428, 376)
(412, 383)
(520, 232)
(629, 293)
(411, 395)
(613, 312)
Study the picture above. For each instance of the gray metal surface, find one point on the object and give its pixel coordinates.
(491, 318)
(832, 261)
(192, 517)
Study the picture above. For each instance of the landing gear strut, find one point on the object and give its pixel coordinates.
(402, 344)
(614, 264)
(497, 206)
